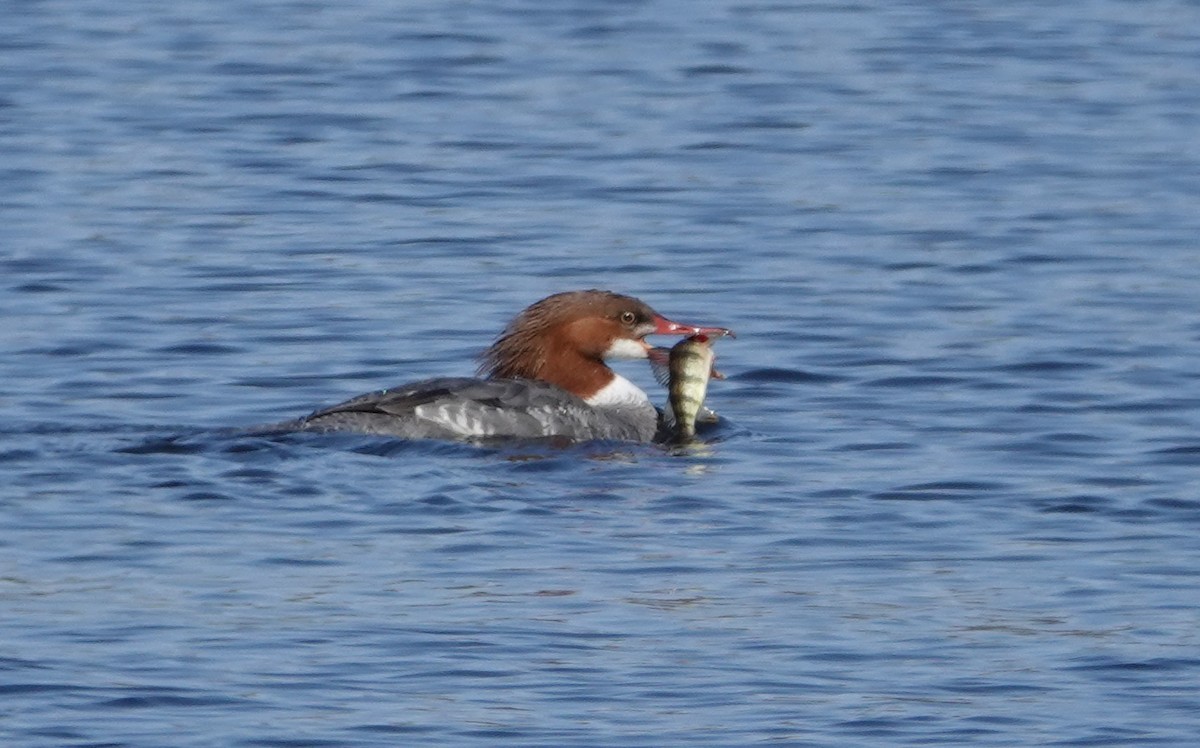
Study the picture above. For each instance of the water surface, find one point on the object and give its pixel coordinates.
(954, 497)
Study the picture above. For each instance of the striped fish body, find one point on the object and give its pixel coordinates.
(690, 366)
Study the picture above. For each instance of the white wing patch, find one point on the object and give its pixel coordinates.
(456, 418)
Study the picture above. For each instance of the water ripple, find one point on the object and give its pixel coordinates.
(952, 498)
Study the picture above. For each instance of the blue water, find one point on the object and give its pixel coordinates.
(955, 498)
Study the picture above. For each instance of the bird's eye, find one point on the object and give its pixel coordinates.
(628, 318)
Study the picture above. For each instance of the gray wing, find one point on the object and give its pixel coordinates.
(450, 408)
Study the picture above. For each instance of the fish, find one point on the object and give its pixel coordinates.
(685, 370)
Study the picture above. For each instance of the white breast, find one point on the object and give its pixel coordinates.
(620, 392)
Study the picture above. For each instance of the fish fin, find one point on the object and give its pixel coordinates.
(707, 415)
(660, 364)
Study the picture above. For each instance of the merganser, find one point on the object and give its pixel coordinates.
(545, 376)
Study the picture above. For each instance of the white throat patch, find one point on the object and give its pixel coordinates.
(619, 392)
(625, 348)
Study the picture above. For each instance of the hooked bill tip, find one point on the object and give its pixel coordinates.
(667, 327)
(714, 332)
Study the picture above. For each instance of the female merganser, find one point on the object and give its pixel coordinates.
(544, 376)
